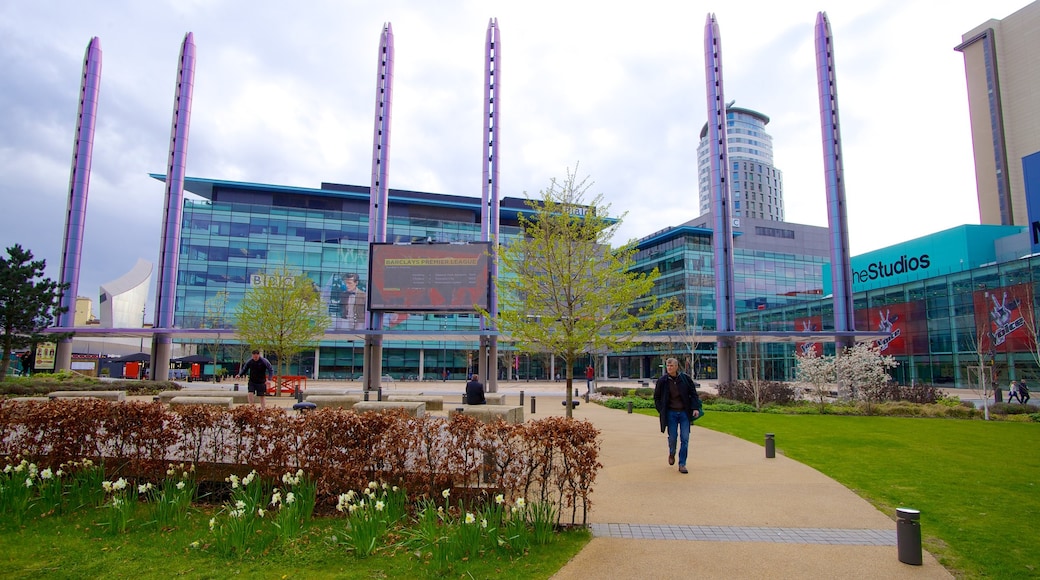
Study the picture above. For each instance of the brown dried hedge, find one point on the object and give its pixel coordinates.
(551, 460)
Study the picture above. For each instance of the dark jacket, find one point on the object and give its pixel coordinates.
(475, 393)
(688, 392)
(258, 370)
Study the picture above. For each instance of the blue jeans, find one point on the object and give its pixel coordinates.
(679, 427)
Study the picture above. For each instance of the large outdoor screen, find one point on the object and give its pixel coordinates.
(429, 277)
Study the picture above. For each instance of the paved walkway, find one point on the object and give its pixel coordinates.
(735, 515)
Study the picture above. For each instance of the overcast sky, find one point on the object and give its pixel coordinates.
(284, 94)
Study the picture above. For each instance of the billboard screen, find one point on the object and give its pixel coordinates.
(429, 277)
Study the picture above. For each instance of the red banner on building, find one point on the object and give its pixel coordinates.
(1003, 318)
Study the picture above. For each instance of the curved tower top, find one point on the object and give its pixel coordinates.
(757, 186)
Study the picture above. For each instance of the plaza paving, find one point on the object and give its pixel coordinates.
(736, 515)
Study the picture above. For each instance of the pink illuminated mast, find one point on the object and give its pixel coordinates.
(841, 282)
(79, 186)
(379, 193)
(169, 242)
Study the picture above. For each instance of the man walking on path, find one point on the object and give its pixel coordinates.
(260, 372)
(677, 403)
(590, 374)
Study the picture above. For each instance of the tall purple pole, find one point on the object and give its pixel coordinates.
(722, 237)
(79, 186)
(489, 219)
(169, 243)
(379, 193)
(841, 281)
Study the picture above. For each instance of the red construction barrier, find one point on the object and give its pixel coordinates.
(288, 385)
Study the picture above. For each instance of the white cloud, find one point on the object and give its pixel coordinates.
(284, 94)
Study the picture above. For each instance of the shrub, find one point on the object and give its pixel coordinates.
(622, 403)
(769, 392)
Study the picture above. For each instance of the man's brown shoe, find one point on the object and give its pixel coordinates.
(671, 460)
(682, 469)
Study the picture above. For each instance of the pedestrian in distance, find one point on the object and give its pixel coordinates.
(1013, 392)
(260, 373)
(1023, 392)
(475, 391)
(678, 405)
(590, 375)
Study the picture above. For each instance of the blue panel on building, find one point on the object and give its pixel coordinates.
(953, 250)
(1031, 176)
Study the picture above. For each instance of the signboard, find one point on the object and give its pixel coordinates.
(808, 324)
(45, 356)
(429, 277)
(1001, 315)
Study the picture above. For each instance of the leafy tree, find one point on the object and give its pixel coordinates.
(564, 290)
(818, 371)
(29, 303)
(282, 316)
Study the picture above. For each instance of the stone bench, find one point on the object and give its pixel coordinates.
(311, 390)
(333, 401)
(433, 402)
(105, 395)
(226, 402)
(28, 399)
(513, 415)
(495, 399)
(239, 397)
(413, 408)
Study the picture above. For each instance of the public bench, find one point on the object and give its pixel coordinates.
(513, 415)
(239, 397)
(413, 408)
(335, 401)
(105, 395)
(433, 402)
(226, 402)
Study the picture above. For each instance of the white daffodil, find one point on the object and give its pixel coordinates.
(470, 518)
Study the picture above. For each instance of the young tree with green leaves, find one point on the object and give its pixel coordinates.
(215, 317)
(563, 290)
(29, 303)
(282, 316)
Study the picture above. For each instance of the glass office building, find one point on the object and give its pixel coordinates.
(233, 233)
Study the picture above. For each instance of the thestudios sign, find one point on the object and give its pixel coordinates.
(882, 269)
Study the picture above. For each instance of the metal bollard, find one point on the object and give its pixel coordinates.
(521, 398)
(576, 395)
(586, 397)
(770, 446)
(630, 407)
(464, 399)
(366, 393)
(533, 398)
(379, 393)
(298, 394)
(908, 536)
(236, 386)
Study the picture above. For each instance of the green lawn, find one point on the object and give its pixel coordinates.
(976, 483)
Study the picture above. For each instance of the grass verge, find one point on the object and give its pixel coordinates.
(975, 482)
(78, 546)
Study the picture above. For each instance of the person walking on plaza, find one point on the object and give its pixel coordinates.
(260, 373)
(1013, 392)
(678, 405)
(1023, 392)
(590, 374)
(475, 391)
